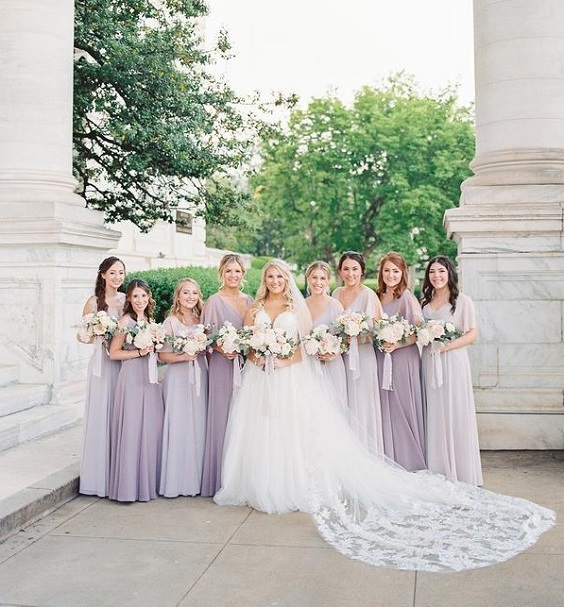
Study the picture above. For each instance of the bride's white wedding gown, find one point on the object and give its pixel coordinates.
(289, 448)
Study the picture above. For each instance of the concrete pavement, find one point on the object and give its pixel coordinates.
(188, 552)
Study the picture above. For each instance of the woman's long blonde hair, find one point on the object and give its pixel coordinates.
(262, 292)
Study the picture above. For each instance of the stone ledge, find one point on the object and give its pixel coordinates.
(42, 497)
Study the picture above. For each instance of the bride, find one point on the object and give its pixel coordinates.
(289, 448)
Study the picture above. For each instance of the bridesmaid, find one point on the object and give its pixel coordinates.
(365, 414)
(185, 393)
(137, 423)
(228, 304)
(324, 309)
(452, 434)
(402, 406)
(100, 384)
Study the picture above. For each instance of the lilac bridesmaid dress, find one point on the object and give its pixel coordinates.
(334, 370)
(452, 432)
(137, 430)
(365, 415)
(185, 395)
(402, 407)
(95, 460)
(220, 381)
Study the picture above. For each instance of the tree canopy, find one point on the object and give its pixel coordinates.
(373, 177)
(153, 129)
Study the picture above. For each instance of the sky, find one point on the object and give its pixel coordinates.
(316, 47)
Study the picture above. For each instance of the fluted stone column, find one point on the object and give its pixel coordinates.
(50, 244)
(509, 226)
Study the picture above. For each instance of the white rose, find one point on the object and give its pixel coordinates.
(230, 346)
(285, 349)
(256, 341)
(311, 347)
(387, 334)
(437, 330)
(424, 337)
(191, 347)
(352, 328)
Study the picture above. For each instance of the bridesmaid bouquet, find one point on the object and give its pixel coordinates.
(390, 330)
(144, 334)
(322, 342)
(229, 338)
(102, 327)
(99, 324)
(436, 330)
(191, 343)
(352, 324)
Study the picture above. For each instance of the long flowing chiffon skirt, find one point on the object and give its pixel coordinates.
(137, 428)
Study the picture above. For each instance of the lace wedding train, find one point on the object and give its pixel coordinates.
(288, 447)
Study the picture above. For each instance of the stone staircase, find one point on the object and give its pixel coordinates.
(25, 412)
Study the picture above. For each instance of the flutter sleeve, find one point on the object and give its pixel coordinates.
(467, 313)
(211, 313)
(410, 308)
(169, 330)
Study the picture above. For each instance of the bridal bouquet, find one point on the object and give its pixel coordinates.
(390, 330)
(352, 324)
(269, 342)
(191, 343)
(229, 339)
(436, 330)
(99, 324)
(322, 342)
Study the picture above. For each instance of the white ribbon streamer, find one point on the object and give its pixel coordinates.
(237, 372)
(195, 375)
(436, 365)
(153, 370)
(269, 364)
(354, 358)
(97, 356)
(387, 372)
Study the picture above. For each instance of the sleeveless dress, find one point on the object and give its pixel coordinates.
(452, 432)
(136, 436)
(334, 370)
(185, 395)
(288, 447)
(221, 386)
(365, 414)
(402, 407)
(98, 408)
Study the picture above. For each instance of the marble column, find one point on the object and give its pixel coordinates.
(50, 244)
(509, 225)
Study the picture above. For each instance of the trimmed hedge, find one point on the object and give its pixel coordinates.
(163, 281)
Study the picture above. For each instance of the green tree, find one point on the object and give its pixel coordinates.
(372, 177)
(153, 130)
